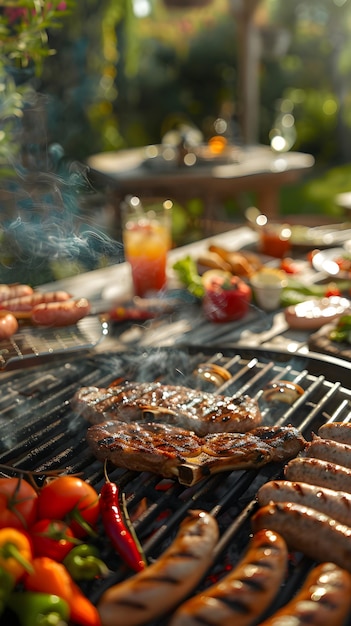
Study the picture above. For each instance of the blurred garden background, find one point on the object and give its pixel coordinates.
(125, 72)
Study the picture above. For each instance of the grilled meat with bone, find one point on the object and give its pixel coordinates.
(174, 452)
(198, 411)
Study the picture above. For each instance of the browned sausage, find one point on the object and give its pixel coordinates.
(329, 450)
(306, 530)
(8, 325)
(246, 592)
(318, 472)
(158, 588)
(60, 313)
(14, 291)
(26, 303)
(323, 600)
(336, 504)
(338, 431)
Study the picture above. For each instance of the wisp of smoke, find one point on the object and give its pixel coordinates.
(44, 224)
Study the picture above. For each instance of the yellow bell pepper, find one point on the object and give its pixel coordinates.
(15, 552)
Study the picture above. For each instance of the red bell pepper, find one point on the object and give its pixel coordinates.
(227, 298)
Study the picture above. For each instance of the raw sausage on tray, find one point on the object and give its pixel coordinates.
(14, 291)
(8, 325)
(157, 589)
(246, 592)
(60, 313)
(23, 304)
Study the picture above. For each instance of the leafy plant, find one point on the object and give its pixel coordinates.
(24, 43)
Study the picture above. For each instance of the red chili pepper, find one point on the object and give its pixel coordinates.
(116, 525)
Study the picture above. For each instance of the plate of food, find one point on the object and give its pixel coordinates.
(334, 262)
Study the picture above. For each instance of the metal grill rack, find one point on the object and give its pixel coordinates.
(41, 432)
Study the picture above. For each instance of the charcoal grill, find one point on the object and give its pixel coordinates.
(40, 432)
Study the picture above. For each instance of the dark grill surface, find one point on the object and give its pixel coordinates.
(40, 432)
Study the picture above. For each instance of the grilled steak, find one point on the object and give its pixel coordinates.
(198, 411)
(174, 452)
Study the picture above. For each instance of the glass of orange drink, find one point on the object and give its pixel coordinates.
(147, 239)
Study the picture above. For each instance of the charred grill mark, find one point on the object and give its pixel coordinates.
(236, 605)
(129, 603)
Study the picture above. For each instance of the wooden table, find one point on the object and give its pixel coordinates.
(260, 331)
(257, 169)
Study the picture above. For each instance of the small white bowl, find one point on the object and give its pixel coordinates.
(267, 286)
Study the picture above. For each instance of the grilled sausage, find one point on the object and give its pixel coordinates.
(306, 530)
(14, 291)
(318, 472)
(323, 600)
(8, 325)
(26, 303)
(329, 450)
(60, 313)
(338, 431)
(157, 589)
(246, 592)
(336, 504)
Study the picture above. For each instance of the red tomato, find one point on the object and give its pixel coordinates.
(18, 503)
(52, 538)
(72, 500)
(227, 298)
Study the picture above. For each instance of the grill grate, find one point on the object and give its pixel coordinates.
(31, 345)
(41, 432)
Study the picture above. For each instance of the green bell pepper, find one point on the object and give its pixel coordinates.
(83, 563)
(7, 583)
(39, 609)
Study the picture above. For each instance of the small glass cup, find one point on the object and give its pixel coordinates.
(147, 237)
(275, 240)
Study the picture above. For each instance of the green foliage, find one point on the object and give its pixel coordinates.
(24, 44)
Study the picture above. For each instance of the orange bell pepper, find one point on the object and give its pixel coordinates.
(15, 552)
(49, 576)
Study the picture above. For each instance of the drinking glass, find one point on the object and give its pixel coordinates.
(147, 239)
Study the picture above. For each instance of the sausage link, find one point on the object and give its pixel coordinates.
(318, 472)
(60, 313)
(243, 594)
(336, 504)
(8, 325)
(338, 431)
(158, 588)
(26, 303)
(330, 450)
(306, 530)
(323, 600)
(14, 291)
